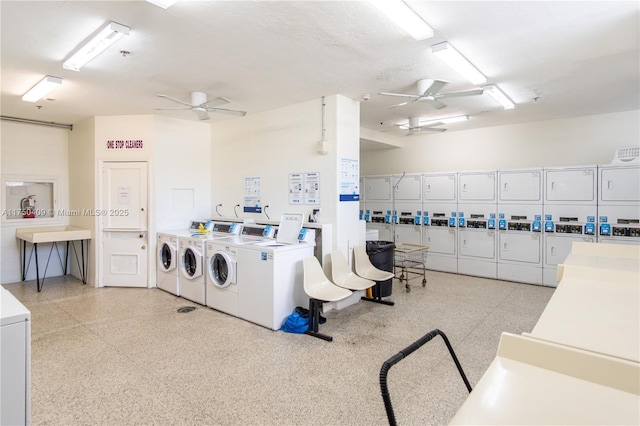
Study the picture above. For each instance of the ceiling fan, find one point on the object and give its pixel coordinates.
(413, 126)
(428, 91)
(201, 106)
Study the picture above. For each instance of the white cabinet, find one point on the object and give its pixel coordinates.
(15, 361)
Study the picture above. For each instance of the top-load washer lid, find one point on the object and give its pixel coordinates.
(289, 228)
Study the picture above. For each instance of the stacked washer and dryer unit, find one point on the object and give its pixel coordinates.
(440, 230)
(515, 225)
(619, 202)
(520, 240)
(477, 239)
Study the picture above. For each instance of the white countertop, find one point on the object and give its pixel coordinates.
(48, 234)
(12, 310)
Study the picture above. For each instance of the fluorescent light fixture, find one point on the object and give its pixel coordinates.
(165, 4)
(459, 63)
(108, 35)
(446, 120)
(42, 88)
(400, 13)
(499, 96)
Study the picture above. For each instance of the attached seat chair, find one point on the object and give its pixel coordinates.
(320, 290)
(365, 269)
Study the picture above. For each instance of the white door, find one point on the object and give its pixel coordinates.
(378, 188)
(477, 186)
(520, 186)
(123, 224)
(439, 187)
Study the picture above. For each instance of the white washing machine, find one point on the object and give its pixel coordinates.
(192, 270)
(270, 275)
(167, 275)
(168, 258)
(270, 281)
(221, 265)
(222, 272)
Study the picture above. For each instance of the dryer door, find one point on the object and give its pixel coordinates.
(191, 263)
(167, 258)
(222, 269)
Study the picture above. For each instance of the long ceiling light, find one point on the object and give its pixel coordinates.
(499, 96)
(42, 88)
(459, 63)
(400, 13)
(446, 120)
(105, 37)
(165, 4)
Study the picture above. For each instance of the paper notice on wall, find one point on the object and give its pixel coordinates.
(296, 181)
(312, 188)
(349, 179)
(124, 195)
(252, 197)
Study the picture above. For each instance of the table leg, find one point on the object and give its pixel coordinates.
(66, 259)
(24, 260)
(84, 271)
(35, 247)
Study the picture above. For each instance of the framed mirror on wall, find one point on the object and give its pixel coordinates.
(29, 199)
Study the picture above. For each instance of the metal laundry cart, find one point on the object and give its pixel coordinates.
(410, 258)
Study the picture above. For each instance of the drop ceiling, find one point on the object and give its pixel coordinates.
(555, 59)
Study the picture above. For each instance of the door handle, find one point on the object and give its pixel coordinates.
(141, 209)
(143, 247)
(141, 236)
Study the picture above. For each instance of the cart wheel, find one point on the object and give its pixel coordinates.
(408, 288)
(401, 277)
(424, 282)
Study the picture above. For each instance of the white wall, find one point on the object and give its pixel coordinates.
(574, 141)
(32, 151)
(182, 172)
(272, 145)
(82, 186)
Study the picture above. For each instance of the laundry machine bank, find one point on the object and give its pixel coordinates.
(440, 232)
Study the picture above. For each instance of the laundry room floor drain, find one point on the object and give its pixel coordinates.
(186, 309)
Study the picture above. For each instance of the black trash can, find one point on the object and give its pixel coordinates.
(381, 256)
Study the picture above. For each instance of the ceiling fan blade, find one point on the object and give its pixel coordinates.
(201, 113)
(402, 95)
(402, 104)
(427, 86)
(171, 109)
(473, 92)
(175, 100)
(435, 103)
(228, 111)
(432, 129)
(215, 102)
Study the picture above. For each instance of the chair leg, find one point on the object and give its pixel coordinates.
(376, 298)
(314, 320)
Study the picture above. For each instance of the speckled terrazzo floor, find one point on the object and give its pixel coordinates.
(120, 356)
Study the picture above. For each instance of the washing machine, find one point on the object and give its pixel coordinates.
(222, 266)
(270, 274)
(168, 261)
(192, 270)
(270, 280)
